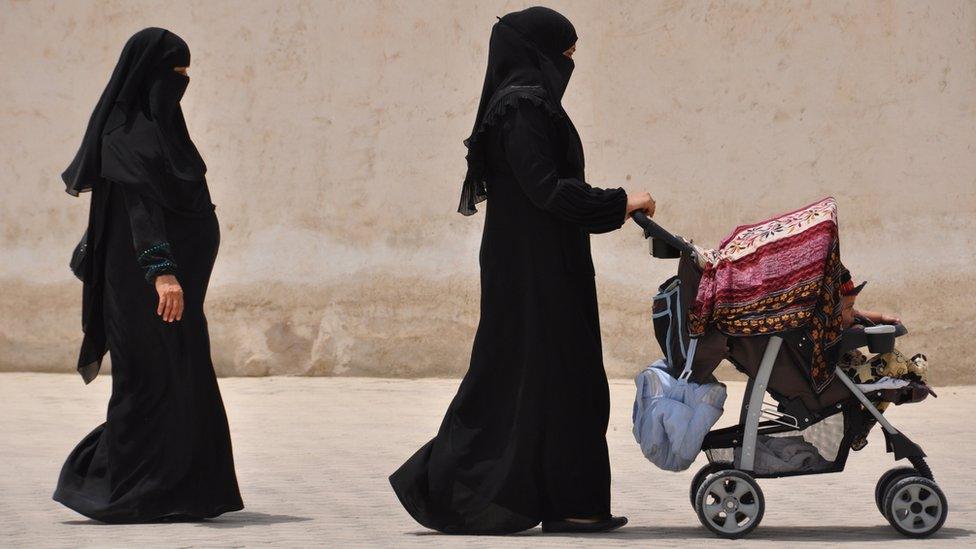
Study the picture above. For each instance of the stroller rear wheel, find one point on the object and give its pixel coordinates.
(915, 506)
(890, 477)
(702, 474)
(730, 503)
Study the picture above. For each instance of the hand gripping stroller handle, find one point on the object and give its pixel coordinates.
(653, 230)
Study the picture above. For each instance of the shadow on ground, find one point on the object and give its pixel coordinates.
(779, 533)
(249, 518)
(230, 520)
(767, 533)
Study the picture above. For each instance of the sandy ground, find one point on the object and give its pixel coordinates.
(313, 455)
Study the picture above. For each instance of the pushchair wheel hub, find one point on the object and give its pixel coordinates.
(890, 477)
(730, 503)
(915, 506)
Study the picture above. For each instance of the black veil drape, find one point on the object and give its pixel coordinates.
(525, 58)
(143, 82)
(137, 137)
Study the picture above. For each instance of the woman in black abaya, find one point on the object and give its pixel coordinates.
(164, 451)
(524, 440)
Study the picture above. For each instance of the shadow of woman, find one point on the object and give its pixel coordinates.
(230, 520)
(249, 518)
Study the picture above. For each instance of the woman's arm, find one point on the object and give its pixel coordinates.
(528, 145)
(154, 253)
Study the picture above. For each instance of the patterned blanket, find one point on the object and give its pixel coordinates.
(774, 276)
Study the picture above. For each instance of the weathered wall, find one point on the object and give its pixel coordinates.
(332, 131)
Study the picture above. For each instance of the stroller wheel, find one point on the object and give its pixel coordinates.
(890, 477)
(702, 474)
(915, 506)
(730, 503)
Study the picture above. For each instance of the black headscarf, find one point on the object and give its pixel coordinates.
(525, 61)
(137, 131)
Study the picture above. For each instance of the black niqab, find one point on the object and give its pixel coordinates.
(137, 129)
(525, 58)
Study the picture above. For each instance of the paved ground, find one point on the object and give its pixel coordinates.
(313, 455)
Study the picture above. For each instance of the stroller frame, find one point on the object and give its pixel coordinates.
(731, 490)
(754, 409)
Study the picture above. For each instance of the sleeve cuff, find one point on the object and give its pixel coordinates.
(157, 260)
(595, 210)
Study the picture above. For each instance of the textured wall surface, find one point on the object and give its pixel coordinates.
(333, 135)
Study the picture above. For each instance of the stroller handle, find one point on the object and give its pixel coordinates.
(653, 230)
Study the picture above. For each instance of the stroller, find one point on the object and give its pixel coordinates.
(816, 428)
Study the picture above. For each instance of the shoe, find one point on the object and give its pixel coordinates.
(569, 526)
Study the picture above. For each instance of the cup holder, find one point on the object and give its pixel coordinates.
(662, 250)
(881, 339)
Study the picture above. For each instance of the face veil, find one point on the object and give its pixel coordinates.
(549, 34)
(525, 59)
(165, 93)
(137, 132)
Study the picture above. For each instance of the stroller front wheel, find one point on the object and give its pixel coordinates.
(915, 506)
(730, 503)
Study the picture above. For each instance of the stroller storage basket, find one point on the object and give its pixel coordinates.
(782, 451)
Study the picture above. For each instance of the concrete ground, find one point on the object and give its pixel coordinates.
(313, 455)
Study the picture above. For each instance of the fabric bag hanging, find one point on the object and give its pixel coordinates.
(672, 416)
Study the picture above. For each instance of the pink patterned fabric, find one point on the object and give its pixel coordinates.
(777, 275)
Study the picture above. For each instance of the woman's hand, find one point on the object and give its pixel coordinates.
(640, 202)
(170, 298)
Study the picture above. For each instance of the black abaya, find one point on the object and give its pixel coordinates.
(524, 439)
(164, 450)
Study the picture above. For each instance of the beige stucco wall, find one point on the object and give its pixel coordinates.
(333, 135)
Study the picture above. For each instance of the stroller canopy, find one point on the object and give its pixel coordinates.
(775, 276)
